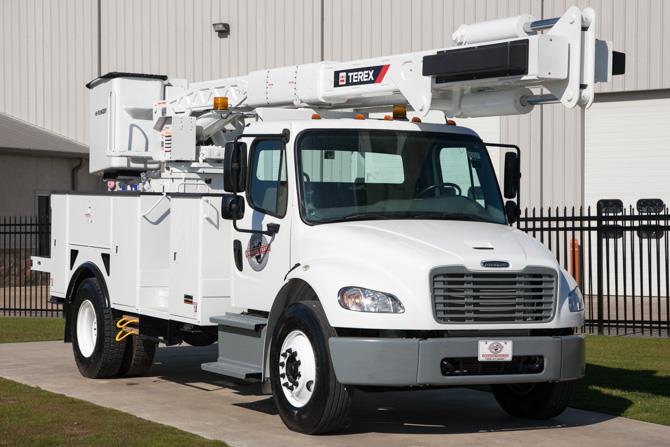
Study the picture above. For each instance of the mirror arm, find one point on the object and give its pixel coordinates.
(273, 228)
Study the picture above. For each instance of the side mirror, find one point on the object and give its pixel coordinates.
(232, 207)
(512, 211)
(512, 175)
(235, 167)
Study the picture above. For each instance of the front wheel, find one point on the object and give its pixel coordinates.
(535, 400)
(304, 387)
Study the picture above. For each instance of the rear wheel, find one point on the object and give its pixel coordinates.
(306, 392)
(96, 352)
(535, 400)
(139, 356)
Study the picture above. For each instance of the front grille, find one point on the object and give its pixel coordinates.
(461, 296)
(470, 366)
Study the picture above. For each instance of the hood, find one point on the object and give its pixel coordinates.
(425, 243)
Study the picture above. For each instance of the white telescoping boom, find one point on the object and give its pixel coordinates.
(493, 70)
(487, 73)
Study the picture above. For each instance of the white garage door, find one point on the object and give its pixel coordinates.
(627, 151)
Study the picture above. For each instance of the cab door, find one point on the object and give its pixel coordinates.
(263, 258)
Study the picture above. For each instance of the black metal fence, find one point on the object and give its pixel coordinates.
(22, 291)
(619, 257)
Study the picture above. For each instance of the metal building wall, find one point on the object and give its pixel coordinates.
(175, 37)
(47, 52)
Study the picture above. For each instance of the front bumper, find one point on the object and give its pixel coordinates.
(413, 361)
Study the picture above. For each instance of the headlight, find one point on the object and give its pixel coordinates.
(575, 300)
(365, 300)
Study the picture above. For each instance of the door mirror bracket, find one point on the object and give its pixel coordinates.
(512, 211)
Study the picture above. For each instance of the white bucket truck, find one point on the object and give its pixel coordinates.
(322, 249)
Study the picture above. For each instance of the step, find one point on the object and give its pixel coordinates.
(241, 343)
(241, 321)
(231, 368)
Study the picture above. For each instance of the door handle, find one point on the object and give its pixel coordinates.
(237, 254)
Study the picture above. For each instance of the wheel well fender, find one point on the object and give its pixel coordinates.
(295, 290)
(84, 271)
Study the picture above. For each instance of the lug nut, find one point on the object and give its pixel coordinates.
(309, 385)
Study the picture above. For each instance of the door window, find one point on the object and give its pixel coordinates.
(268, 188)
(458, 167)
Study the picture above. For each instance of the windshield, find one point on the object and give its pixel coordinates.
(378, 174)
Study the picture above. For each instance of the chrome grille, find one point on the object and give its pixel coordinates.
(461, 296)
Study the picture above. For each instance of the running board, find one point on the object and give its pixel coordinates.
(241, 340)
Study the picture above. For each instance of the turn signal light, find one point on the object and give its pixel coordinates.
(220, 103)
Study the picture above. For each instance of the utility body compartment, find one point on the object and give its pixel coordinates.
(162, 255)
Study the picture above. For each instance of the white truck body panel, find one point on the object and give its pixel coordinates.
(159, 263)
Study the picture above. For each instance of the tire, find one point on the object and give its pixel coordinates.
(138, 358)
(324, 406)
(535, 400)
(96, 352)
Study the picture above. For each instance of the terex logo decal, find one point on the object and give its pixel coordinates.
(360, 76)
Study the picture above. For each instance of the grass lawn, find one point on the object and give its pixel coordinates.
(19, 329)
(30, 416)
(627, 376)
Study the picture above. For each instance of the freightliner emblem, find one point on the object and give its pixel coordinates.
(495, 264)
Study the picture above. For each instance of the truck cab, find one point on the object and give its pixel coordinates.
(394, 236)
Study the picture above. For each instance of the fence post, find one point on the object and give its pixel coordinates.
(599, 268)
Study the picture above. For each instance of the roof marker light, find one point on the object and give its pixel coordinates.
(316, 116)
(220, 103)
(399, 112)
(416, 119)
(359, 116)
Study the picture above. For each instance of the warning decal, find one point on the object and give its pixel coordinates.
(360, 76)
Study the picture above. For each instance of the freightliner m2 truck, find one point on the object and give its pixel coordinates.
(327, 242)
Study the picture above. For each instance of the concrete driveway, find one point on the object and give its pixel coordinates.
(178, 393)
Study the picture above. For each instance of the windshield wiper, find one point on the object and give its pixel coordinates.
(365, 216)
(453, 216)
(357, 216)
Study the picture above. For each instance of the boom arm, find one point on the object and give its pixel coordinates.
(489, 72)
(499, 67)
